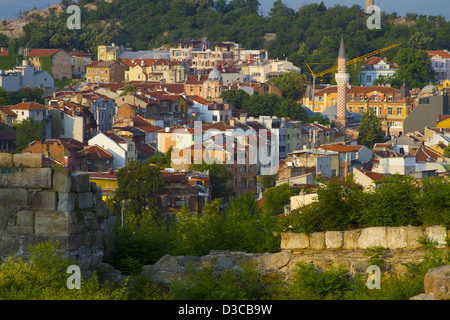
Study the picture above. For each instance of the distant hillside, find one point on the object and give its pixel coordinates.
(309, 34)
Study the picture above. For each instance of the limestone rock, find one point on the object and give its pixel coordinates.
(14, 196)
(438, 234)
(43, 200)
(290, 241)
(62, 180)
(396, 238)
(28, 160)
(6, 160)
(273, 261)
(334, 239)
(317, 240)
(370, 237)
(52, 223)
(80, 182)
(434, 274)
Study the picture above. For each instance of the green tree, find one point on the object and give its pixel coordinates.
(291, 84)
(137, 184)
(220, 176)
(28, 131)
(414, 68)
(235, 96)
(370, 131)
(276, 198)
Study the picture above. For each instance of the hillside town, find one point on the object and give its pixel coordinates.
(99, 125)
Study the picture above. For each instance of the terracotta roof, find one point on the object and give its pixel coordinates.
(95, 152)
(196, 79)
(426, 154)
(28, 106)
(370, 62)
(199, 99)
(79, 53)
(115, 137)
(101, 64)
(441, 53)
(6, 110)
(42, 52)
(73, 142)
(340, 147)
(146, 149)
(360, 90)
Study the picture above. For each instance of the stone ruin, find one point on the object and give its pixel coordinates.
(51, 204)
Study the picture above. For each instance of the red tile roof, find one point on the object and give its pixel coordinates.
(96, 153)
(42, 52)
(340, 147)
(442, 53)
(28, 106)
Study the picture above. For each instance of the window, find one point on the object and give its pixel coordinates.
(399, 111)
(361, 97)
(369, 78)
(390, 110)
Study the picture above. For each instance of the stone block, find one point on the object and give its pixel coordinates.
(25, 218)
(6, 213)
(44, 200)
(101, 210)
(20, 230)
(80, 182)
(396, 238)
(53, 223)
(62, 180)
(84, 200)
(371, 237)
(273, 261)
(29, 178)
(6, 160)
(28, 160)
(317, 240)
(438, 234)
(290, 241)
(334, 239)
(433, 275)
(16, 196)
(351, 239)
(66, 201)
(413, 234)
(9, 246)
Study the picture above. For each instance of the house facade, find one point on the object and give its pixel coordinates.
(56, 61)
(440, 62)
(375, 67)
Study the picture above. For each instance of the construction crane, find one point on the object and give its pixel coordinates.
(322, 73)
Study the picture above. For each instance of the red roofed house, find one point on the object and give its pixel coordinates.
(80, 60)
(350, 156)
(37, 111)
(95, 159)
(56, 61)
(375, 67)
(440, 62)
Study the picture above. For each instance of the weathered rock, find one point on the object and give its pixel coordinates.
(434, 274)
(80, 182)
(25, 218)
(6, 213)
(290, 241)
(28, 160)
(334, 239)
(66, 201)
(413, 234)
(14, 196)
(43, 200)
(438, 234)
(396, 238)
(6, 160)
(317, 240)
(62, 180)
(84, 200)
(30, 178)
(274, 261)
(371, 237)
(351, 239)
(52, 223)
(224, 263)
(423, 296)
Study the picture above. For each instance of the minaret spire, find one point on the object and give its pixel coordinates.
(342, 80)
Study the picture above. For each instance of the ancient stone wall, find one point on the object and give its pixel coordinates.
(39, 204)
(322, 249)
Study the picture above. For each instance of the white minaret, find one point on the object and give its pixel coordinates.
(342, 80)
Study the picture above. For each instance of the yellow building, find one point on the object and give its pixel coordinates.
(445, 84)
(387, 103)
(154, 70)
(444, 121)
(109, 53)
(105, 71)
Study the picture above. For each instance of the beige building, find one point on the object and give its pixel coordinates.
(163, 70)
(56, 61)
(109, 53)
(262, 71)
(80, 60)
(105, 71)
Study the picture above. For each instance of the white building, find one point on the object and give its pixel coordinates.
(25, 76)
(124, 151)
(262, 71)
(375, 67)
(207, 111)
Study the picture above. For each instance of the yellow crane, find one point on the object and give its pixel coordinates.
(322, 73)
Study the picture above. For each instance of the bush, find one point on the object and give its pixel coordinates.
(44, 277)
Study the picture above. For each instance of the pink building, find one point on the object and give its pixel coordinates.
(440, 62)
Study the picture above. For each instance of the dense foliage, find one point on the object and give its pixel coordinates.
(398, 201)
(310, 34)
(28, 131)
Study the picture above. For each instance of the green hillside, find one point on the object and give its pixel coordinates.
(309, 34)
